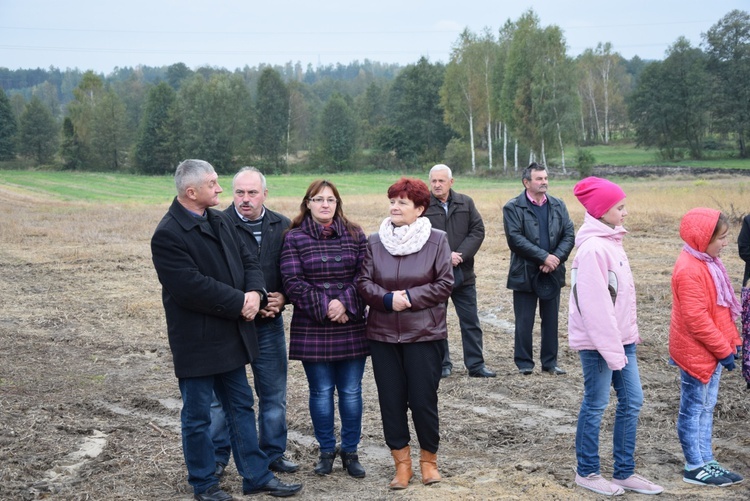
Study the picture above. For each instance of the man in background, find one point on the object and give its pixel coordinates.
(456, 214)
(540, 236)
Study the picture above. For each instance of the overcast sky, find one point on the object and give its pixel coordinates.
(102, 34)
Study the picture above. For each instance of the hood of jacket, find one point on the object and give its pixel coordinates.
(697, 227)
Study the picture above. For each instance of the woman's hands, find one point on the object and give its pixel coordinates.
(337, 312)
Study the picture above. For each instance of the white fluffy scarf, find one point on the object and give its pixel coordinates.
(406, 239)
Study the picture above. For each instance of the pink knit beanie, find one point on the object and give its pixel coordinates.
(597, 195)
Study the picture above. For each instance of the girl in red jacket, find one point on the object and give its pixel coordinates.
(702, 338)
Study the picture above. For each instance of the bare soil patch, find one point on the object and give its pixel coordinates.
(89, 406)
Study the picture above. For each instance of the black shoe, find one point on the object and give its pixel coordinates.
(220, 468)
(555, 371)
(282, 465)
(352, 465)
(446, 372)
(526, 371)
(214, 493)
(276, 488)
(324, 466)
(482, 372)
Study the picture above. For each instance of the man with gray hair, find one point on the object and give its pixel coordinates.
(540, 236)
(212, 289)
(256, 224)
(456, 214)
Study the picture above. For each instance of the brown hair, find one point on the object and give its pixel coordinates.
(304, 211)
(721, 225)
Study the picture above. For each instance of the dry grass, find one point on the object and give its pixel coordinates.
(84, 348)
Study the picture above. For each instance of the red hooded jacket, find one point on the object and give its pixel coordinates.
(701, 332)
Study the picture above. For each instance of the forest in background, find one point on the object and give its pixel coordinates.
(505, 97)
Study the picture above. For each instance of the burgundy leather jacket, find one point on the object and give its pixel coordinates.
(427, 275)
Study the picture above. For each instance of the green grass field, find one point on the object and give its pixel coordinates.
(126, 188)
(101, 187)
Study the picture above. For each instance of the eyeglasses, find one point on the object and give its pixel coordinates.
(320, 200)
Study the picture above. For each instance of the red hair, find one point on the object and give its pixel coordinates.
(414, 189)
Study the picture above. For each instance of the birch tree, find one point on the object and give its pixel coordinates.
(460, 94)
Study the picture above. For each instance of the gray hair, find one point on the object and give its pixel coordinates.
(191, 173)
(250, 169)
(527, 171)
(439, 167)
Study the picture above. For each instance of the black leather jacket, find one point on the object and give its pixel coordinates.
(522, 232)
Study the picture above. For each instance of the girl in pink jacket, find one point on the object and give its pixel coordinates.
(702, 338)
(602, 327)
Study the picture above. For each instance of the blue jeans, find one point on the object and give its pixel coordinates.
(269, 377)
(696, 419)
(345, 377)
(597, 378)
(465, 302)
(237, 400)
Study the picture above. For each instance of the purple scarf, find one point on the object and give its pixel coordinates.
(724, 291)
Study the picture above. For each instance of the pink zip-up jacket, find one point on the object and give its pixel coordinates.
(602, 312)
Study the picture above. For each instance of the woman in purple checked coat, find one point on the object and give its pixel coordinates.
(321, 256)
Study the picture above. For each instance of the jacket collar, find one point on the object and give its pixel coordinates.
(313, 229)
(270, 217)
(451, 198)
(522, 200)
(184, 217)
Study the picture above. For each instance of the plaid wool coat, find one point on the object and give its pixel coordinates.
(315, 270)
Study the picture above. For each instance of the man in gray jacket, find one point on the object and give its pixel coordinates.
(457, 215)
(540, 236)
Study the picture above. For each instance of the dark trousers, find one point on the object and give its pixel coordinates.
(407, 376)
(465, 301)
(524, 308)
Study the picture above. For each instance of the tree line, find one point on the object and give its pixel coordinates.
(504, 98)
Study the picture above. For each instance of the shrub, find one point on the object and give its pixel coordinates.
(457, 155)
(585, 161)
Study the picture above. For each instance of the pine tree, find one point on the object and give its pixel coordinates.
(38, 133)
(8, 128)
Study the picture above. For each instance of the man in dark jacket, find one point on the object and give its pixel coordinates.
(262, 230)
(541, 236)
(212, 288)
(457, 215)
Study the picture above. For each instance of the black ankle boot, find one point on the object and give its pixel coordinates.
(352, 465)
(324, 466)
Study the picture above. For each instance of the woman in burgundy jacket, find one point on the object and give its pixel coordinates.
(321, 255)
(406, 280)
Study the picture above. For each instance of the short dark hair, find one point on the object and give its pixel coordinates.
(414, 189)
(533, 166)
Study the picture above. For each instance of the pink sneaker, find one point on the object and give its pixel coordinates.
(599, 484)
(637, 483)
